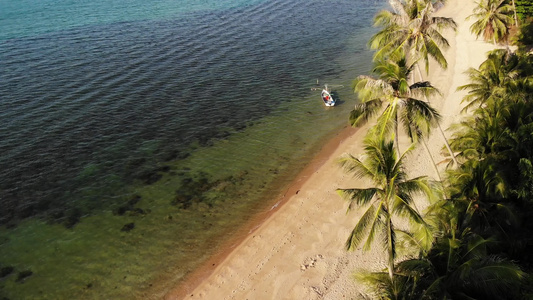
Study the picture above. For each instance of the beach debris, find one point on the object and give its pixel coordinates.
(275, 205)
(23, 275)
(128, 227)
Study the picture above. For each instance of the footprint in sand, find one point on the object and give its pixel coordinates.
(310, 262)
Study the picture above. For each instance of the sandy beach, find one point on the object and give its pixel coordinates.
(298, 251)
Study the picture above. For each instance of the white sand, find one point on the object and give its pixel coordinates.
(298, 252)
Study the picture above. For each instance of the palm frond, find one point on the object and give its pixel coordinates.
(386, 122)
(363, 112)
(356, 237)
(358, 197)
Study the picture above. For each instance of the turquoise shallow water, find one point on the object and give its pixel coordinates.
(136, 138)
(30, 17)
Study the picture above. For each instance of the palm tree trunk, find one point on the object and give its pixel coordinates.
(515, 18)
(432, 160)
(396, 140)
(390, 249)
(448, 145)
(440, 128)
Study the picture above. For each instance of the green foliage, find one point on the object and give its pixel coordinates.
(494, 184)
(524, 38)
(402, 106)
(480, 236)
(492, 20)
(381, 286)
(391, 194)
(412, 29)
(524, 9)
(497, 77)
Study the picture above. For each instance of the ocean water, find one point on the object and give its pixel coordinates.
(136, 137)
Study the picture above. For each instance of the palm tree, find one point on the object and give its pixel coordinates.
(514, 11)
(457, 268)
(499, 78)
(480, 137)
(460, 264)
(484, 189)
(411, 28)
(392, 91)
(460, 268)
(392, 194)
(381, 286)
(492, 20)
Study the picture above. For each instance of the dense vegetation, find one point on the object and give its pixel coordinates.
(524, 9)
(474, 240)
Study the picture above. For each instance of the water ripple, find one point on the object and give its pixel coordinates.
(96, 95)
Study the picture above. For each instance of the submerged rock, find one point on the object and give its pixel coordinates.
(150, 177)
(4, 271)
(153, 176)
(192, 190)
(128, 227)
(128, 206)
(164, 169)
(138, 212)
(23, 275)
(134, 200)
(73, 218)
(120, 211)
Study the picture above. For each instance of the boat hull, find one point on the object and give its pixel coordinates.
(328, 100)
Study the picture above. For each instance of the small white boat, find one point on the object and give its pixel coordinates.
(326, 94)
(326, 97)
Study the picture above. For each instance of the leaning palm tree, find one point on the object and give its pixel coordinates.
(392, 194)
(492, 20)
(392, 90)
(410, 27)
(391, 96)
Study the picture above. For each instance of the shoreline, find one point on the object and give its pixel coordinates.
(297, 250)
(210, 266)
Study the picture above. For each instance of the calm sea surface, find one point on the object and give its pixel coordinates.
(136, 136)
